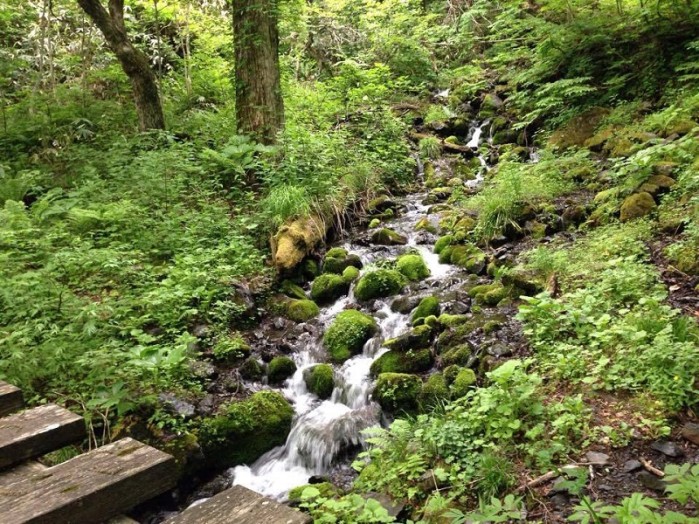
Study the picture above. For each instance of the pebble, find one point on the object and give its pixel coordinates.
(596, 458)
(631, 465)
(690, 431)
(667, 448)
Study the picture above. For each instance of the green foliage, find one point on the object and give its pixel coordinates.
(430, 148)
(351, 509)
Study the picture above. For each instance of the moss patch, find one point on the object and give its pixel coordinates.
(413, 267)
(397, 391)
(379, 283)
(412, 361)
(302, 310)
(320, 380)
(347, 334)
(279, 369)
(328, 287)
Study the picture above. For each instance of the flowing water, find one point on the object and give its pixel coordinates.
(323, 430)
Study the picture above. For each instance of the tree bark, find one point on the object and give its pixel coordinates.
(258, 97)
(133, 61)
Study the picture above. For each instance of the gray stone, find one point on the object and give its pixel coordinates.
(176, 406)
(651, 481)
(667, 448)
(596, 458)
(690, 431)
(631, 465)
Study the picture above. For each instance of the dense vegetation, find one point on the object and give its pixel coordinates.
(130, 261)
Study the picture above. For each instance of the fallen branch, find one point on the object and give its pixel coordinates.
(543, 479)
(648, 466)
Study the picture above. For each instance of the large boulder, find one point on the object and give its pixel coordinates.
(245, 430)
(329, 287)
(413, 267)
(397, 392)
(411, 361)
(301, 310)
(347, 334)
(379, 283)
(294, 241)
(388, 237)
(637, 205)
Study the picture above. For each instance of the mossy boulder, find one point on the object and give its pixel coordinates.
(459, 355)
(350, 274)
(302, 310)
(294, 241)
(329, 287)
(447, 320)
(419, 336)
(578, 130)
(469, 257)
(320, 380)
(380, 204)
(347, 334)
(438, 194)
(397, 392)
(245, 430)
(442, 243)
(490, 105)
(337, 260)
(413, 267)
(463, 383)
(524, 282)
(388, 237)
(637, 205)
(378, 284)
(251, 369)
(488, 294)
(411, 361)
(428, 306)
(279, 369)
(434, 392)
(657, 184)
(292, 290)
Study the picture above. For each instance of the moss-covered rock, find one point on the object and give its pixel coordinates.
(320, 380)
(326, 489)
(428, 306)
(488, 294)
(636, 206)
(424, 224)
(302, 310)
(336, 252)
(329, 287)
(447, 320)
(279, 369)
(397, 392)
(469, 257)
(350, 274)
(245, 430)
(347, 334)
(459, 355)
(657, 184)
(379, 283)
(251, 369)
(417, 337)
(380, 204)
(375, 222)
(490, 105)
(450, 373)
(438, 194)
(411, 361)
(524, 282)
(413, 267)
(442, 243)
(337, 260)
(294, 241)
(434, 392)
(577, 131)
(292, 290)
(445, 254)
(463, 382)
(388, 237)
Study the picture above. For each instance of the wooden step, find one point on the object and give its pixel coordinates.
(10, 399)
(37, 431)
(239, 505)
(90, 488)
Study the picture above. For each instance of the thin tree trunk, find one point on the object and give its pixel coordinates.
(258, 97)
(133, 61)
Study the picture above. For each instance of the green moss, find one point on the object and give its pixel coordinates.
(459, 355)
(413, 267)
(411, 361)
(302, 310)
(230, 348)
(337, 260)
(447, 320)
(434, 392)
(462, 383)
(251, 369)
(424, 224)
(488, 294)
(320, 380)
(245, 430)
(375, 222)
(347, 334)
(293, 290)
(636, 206)
(379, 283)
(336, 252)
(445, 254)
(279, 369)
(417, 337)
(397, 391)
(432, 322)
(388, 237)
(328, 287)
(350, 274)
(450, 373)
(469, 257)
(428, 306)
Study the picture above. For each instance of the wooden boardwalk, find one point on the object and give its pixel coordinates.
(100, 485)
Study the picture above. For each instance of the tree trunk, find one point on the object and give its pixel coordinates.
(133, 61)
(258, 97)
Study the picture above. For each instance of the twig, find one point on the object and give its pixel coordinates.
(655, 471)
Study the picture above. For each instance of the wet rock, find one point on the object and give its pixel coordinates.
(279, 369)
(499, 350)
(388, 237)
(329, 287)
(279, 323)
(631, 465)
(650, 481)
(690, 431)
(203, 369)
(176, 406)
(207, 405)
(596, 458)
(667, 448)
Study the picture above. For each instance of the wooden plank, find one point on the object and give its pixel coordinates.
(37, 431)
(239, 505)
(10, 398)
(90, 488)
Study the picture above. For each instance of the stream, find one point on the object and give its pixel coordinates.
(324, 430)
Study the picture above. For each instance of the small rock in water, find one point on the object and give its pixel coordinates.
(651, 481)
(631, 465)
(667, 448)
(596, 458)
(690, 431)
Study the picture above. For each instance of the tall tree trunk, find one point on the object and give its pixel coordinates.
(133, 61)
(258, 97)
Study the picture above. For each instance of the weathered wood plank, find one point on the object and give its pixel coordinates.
(89, 488)
(239, 505)
(37, 431)
(10, 398)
